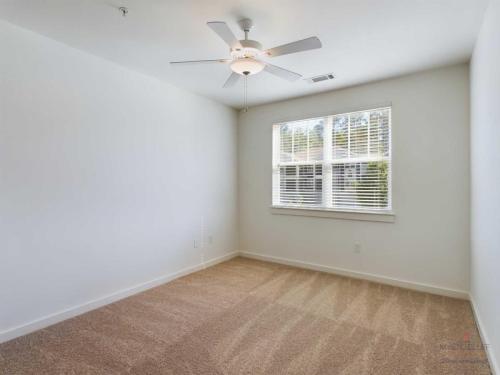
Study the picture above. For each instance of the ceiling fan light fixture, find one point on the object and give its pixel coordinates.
(247, 66)
(245, 54)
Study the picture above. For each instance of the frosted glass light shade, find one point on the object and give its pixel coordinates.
(247, 66)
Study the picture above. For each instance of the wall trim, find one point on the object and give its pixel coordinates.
(494, 365)
(361, 275)
(71, 312)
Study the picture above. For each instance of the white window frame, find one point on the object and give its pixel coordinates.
(387, 215)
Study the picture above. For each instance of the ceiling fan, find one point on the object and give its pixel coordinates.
(246, 53)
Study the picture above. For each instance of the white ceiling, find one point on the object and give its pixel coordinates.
(363, 40)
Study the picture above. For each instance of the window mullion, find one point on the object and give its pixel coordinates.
(349, 136)
(327, 163)
(276, 198)
(368, 151)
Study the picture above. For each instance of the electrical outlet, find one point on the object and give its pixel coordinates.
(357, 248)
(196, 244)
(210, 240)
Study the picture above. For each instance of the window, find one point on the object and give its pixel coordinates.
(340, 162)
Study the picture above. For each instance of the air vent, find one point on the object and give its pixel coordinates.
(321, 78)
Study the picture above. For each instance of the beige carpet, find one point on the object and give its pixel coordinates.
(250, 317)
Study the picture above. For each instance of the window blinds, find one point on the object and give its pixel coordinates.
(336, 162)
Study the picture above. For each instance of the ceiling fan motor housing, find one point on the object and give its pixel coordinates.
(247, 48)
(244, 62)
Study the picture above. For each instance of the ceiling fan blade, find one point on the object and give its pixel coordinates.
(222, 30)
(282, 73)
(231, 81)
(298, 46)
(223, 61)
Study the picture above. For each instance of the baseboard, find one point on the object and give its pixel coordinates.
(106, 300)
(361, 275)
(94, 304)
(494, 366)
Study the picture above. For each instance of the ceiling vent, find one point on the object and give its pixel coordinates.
(321, 78)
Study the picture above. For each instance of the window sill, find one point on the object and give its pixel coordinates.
(386, 217)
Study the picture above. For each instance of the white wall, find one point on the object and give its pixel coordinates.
(429, 242)
(485, 175)
(105, 175)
